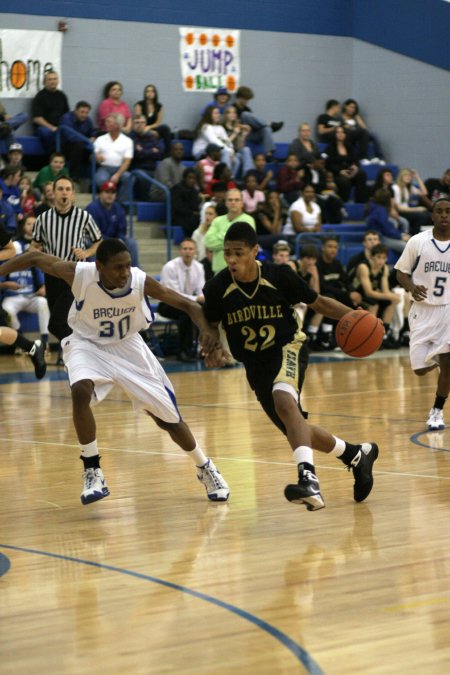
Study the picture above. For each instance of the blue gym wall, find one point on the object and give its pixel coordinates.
(393, 57)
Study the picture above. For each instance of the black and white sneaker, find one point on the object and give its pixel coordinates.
(306, 491)
(37, 355)
(361, 465)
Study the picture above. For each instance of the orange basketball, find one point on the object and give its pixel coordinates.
(359, 333)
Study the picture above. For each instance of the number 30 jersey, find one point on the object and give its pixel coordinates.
(427, 260)
(104, 316)
(258, 317)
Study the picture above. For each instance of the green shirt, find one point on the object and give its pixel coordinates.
(215, 236)
(46, 175)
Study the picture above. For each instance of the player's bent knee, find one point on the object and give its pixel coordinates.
(82, 392)
(284, 403)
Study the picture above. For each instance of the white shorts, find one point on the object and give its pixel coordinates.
(429, 334)
(131, 365)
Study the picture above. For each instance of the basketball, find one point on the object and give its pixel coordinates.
(359, 333)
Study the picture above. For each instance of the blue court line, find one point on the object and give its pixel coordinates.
(415, 439)
(301, 655)
(4, 564)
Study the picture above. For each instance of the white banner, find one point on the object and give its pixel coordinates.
(209, 59)
(25, 55)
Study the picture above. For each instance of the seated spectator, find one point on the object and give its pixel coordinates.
(251, 196)
(205, 167)
(222, 174)
(385, 179)
(111, 218)
(438, 187)
(148, 150)
(48, 201)
(269, 218)
(9, 182)
(372, 281)
(327, 198)
(261, 131)
(221, 100)
(114, 152)
(263, 174)
(7, 215)
(198, 235)
(186, 202)
(358, 134)
(303, 147)
(411, 199)
(48, 106)
(329, 121)
(15, 156)
(153, 111)
(52, 171)
(290, 179)
(304, 214)
(237, 133)
(25, 291)
(28, 199)
(306, 268)
(78, 151)
(371, 238)
(112, 103)
(344, 167)
(217, 199)
(210, 131)
(8, 124)
(281, 254)
(169, 172)
(378, 220)
(186, 276)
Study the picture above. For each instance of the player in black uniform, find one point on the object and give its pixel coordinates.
(255, 302)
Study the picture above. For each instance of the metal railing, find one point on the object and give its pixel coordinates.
(137, 173)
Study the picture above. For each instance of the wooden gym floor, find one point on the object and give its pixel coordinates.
(155, 579)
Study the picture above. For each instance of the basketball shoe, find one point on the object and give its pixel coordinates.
(306, 491)
(361, 465)
(95, 487)
(435, 421)
(37, 355)
(216, 486)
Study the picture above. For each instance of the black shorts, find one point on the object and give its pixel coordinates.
(288, 365)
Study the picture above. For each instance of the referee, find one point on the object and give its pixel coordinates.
(64, 231)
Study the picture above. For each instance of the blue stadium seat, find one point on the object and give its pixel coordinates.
(151, 211)
(354, 211)
(371, 170)
(31, 145)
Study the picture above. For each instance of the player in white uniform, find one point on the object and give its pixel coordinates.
(105, 348)
(424, 270)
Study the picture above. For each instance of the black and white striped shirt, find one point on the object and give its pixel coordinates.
(59, 233)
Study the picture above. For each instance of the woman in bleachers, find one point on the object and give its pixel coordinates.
(237, 133)
(303, 147)
(344, 166)
(153, 109)
(112, 103)
(210, 130)
(304, 214)
(353, 122)
(411, 199)
(385, 180)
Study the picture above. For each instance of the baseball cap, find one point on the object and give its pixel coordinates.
(221, 91)
(15, 146)
(108, 185)
(281, 245)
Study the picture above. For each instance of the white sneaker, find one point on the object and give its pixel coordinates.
(95, 486)
(216, 486)
(435, 421)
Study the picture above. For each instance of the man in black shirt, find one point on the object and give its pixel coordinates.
(48, 106)
(255, 303)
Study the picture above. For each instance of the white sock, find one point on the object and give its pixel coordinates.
(339, 448)
(89, 450)
(303, 454)
(198, 456)
(326, 327)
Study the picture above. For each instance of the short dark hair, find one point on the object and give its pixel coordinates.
(245, 92)
(220, 186)
(62, 178)
(241, 231)
(330, 237)
(379, 248)
(108, 248)
(11, 170)
(437, 201)
(331, 103)
(83, 104)
(309, 251)
(367, 232)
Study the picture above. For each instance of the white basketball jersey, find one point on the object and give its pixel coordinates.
(105, 317)
(427, 260)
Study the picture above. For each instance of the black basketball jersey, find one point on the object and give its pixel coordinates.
(258, 317)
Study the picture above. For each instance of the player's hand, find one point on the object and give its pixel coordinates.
(218, 358)
(419, 293)
(79, 253)
(209, 339)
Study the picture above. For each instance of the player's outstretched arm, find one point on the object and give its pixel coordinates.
(50, 264)
(329, 307)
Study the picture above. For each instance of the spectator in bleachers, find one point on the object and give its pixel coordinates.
(186, 202)
(48, 201)
(270, 217)
(263, 174)
(9, 182)
(329, 121)
(217, 199)
(48, 106)
(370, 239)
(198, 235)
(222, 174)
(114, 152)
(206, 165)
(304, 214)
(112, 103)
(281, 254)
(153, 110)
(237, 133)
(185, 275)
(303, 147)
(8, 124)
(385, 179)
(344, 166)
(251, 196)
(438, 187)
(210, 130)
(15, 156)
(77, 151)
(290, 179)
(111, 218)
(28, 200)
(379, 220)
(221, 100)
(169, 172)
(261, 131)
(148, 150)
(52, 171)
(359, 134)
(7, 215)
(411, 199)
(327, 198)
